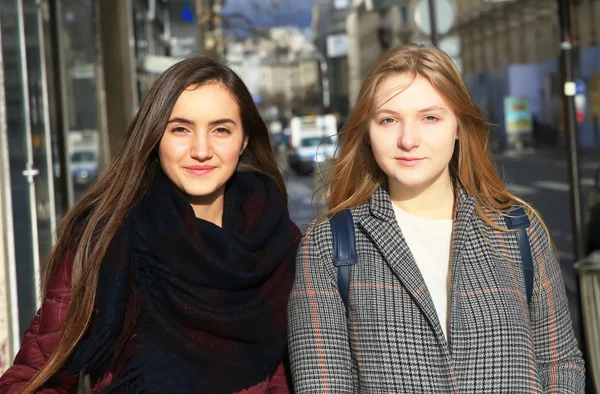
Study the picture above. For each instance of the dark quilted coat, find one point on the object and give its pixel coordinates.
(43, 333)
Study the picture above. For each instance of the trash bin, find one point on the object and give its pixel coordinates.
(589, 279)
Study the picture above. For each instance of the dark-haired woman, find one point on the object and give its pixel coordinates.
(172, 274)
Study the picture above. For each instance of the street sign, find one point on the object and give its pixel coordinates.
(337, 45)
(580, 100)
(451, 45)
(517, 113)
(445, 16)
(341, 4)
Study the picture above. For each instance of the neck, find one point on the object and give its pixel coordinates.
(434, 200)
(209, 208)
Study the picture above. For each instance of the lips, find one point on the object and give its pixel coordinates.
(409, 161)
(199, 170)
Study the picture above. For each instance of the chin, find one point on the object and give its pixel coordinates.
(411, 180)
(201, 193)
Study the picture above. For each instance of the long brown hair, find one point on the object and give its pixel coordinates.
(355, 176)
(87, 229)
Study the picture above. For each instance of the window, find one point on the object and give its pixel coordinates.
(340, 4)
(316, 141)
(404, 15)
(80, 156)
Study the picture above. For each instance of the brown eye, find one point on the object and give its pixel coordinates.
(179, 130)
(223, 131)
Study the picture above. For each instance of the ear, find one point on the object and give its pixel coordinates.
(244, 145)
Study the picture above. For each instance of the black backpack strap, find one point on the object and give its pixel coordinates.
(517, 220)
(344, 251)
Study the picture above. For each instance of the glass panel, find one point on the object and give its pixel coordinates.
(20, 159)
(79, 51)
(40, 131)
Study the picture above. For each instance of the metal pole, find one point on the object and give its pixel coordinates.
(571, 125)
(569, 91)
(200, 20)
(62, 114)
(433, 23)
(324, 83)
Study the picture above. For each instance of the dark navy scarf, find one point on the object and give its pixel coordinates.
(185, 306)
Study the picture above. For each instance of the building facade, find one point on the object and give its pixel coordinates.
(280, 68)
(513, 49)
(331, 39)
(373, 27)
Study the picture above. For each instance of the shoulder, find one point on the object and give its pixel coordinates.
(60, 279)
(318, 234)
(537, 232)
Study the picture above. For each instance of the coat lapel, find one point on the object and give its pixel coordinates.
(379, 221)
(383, 229)
(462, 231)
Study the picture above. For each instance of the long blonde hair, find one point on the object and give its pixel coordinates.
(355, 177)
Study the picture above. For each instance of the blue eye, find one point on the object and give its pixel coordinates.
(386, 121)
(431, 119)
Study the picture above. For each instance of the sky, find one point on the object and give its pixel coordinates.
(264, 14)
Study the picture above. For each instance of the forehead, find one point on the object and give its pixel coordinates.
(212, 100)
(405, 91)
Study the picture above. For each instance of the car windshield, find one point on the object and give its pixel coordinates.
(83, 156)
(316, 141)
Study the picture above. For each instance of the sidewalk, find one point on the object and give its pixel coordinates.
(552, 152)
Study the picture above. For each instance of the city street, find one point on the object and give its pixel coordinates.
(540, 178)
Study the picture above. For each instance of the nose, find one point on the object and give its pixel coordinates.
(201, 149)
(409, 138)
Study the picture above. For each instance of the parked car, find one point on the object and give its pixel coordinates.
(312, 151)
(84, 168)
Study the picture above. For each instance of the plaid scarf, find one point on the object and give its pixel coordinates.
(187, 306)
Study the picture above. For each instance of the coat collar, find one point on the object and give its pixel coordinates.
(377, 218)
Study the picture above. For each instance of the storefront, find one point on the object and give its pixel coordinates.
(71, 78)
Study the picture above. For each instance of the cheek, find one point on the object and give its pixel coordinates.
(171, 149)
(228, 150)
(441, 140)
(382, 144)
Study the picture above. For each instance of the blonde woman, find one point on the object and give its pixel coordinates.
(439, 299)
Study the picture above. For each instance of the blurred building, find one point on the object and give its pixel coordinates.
(331, 38)
(72, 74)
(280, 68)
(513, 48)
(518, 32)
(373, 27)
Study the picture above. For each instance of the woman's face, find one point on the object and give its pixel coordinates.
(412, 134)
(203, 141)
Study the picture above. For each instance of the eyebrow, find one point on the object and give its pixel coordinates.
(182, 120)
(221, 121)
(431, 109)
(211, 123)
(421, 111)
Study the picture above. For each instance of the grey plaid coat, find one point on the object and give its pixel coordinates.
(393, 341)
